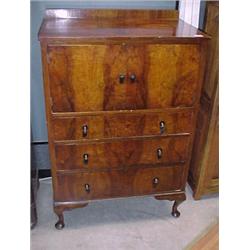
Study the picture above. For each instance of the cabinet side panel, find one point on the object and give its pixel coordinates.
(48, 114)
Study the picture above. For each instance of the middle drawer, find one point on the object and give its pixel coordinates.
(122, 153)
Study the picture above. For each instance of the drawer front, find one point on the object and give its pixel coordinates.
(117, 77)
(118, 183)
(122, 125)
(118, 154)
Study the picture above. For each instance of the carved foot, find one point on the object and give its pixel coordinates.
(60, 223)
(178, 198)
(59, 209)
(175, 211)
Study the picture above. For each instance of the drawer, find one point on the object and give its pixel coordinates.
(122, 125)
(117, 154)
(118, 183)
(123, 77)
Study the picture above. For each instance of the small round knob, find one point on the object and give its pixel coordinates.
(162, 127)
(121, 78)
(132, 78)
(84, 130)
(159, 153)
(85, 158)
(87, 188)
(155, 181)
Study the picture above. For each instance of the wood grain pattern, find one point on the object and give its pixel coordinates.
(125, 60)
(174, 69)
(76, 85)
(113, 14)
(48, 115)
(99, 25)
(212, 28)
(119, 183)
(121, 153)
(122, 125)
(204, 167)
(207, 241)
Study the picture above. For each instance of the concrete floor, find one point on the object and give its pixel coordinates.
(133, 223)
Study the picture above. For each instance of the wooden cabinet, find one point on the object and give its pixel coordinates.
(204, 167)
(122, 90)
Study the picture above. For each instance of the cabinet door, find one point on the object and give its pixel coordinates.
(172, 75)
(122, 77)
(76, 77)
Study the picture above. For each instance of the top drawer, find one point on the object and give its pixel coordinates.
(127, 124)
(122, 77)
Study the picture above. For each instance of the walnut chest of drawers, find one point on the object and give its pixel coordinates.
(122, 90)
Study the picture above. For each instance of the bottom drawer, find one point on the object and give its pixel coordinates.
(118, 183)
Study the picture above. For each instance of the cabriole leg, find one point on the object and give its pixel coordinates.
(175, 211)
(60, 223)
(178, 198)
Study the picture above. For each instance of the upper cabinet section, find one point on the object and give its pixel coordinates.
(77, 25)
(123, 77)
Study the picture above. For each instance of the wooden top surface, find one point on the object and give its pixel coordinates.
(80, 24)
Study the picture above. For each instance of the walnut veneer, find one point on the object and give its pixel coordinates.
(122, 90)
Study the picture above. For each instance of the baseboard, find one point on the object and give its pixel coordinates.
(44, 173)
(39, 142)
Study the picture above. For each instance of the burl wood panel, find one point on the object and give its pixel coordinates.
(118, 183)
(122, 125)
(172, 76)
(122, 153)
(166, 76)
